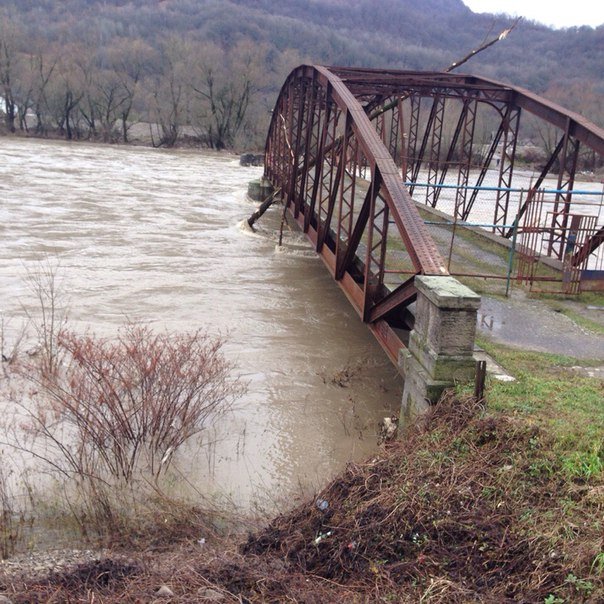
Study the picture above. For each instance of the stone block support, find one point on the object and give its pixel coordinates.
(441, 343)
(259, 190)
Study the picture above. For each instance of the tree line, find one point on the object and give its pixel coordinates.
(182, 87)
(210, 70)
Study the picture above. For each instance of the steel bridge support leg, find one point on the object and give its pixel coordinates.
(409, 162)
(435, 145)
(562, 206)
(465, 160)
(511, 122)
(501, 133)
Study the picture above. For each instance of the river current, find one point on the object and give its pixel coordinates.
(156, 236)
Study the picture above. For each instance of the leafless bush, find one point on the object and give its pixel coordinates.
(127, 404)
(50, 314)
(12, 523)
(10, 351)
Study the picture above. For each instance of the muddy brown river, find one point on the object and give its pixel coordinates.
(155, 236)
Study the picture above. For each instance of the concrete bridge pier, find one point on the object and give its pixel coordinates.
(259, 190)
(441, 344)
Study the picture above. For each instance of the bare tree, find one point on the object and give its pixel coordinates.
(130, 60)
(168, 91)
(224, 84)
(42, 68)
(87, 76)
(49, 315)
(126, 405)
(8, 69)
(64, 92)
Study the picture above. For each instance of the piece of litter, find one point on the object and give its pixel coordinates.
(321, 537)
(322, 504)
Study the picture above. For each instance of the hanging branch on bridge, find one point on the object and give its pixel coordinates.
(502, 36)
(270, 200)
(283, 223)
(291, 151)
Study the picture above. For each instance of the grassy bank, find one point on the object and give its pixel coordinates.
(475, 504)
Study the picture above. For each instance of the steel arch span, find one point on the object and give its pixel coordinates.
(350, 152)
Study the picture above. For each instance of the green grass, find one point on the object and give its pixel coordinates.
(587, 298)
(584, 322)
(558, 304)
(549, 393)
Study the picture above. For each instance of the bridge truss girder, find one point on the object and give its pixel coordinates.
(339, 182)
(342, 141)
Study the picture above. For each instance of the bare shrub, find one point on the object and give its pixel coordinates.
(127, 404)
(12, 523)
(50, 314)
(10, 347)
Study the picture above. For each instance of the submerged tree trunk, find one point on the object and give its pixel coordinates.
(264, 206)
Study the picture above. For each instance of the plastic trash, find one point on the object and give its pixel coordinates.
(322, 504)
(322, 536)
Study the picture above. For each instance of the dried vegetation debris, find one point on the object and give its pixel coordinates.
(466, 507)
(472, 501)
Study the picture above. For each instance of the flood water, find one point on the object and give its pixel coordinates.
(155, 236)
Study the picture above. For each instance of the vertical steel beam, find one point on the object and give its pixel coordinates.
(395, 127)
(375, 228)
(335, 187)
(343, 187)
(297, 142)
(465, 160)
(347, 190)
(460, 127)
(562, 205)
(435, 146)
(330, 183)
(360, 225)
(309, 105)
(319, 163)
(433, 123)
(415, 102)
(511, 122)
(531, 193)
(403, 135)
(485, 166)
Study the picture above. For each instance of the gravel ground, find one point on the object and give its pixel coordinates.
(531, 324)
(41, 563)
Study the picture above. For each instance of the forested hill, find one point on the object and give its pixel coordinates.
(408, 34)
(264, 39)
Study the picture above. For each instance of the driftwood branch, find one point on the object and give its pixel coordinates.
(264, 206)
(502, 36)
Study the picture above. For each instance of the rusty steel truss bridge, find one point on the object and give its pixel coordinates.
(375, 165)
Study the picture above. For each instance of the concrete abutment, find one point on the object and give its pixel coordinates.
(441, 344)
(259, 190)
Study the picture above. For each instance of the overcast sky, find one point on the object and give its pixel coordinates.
(555, 13)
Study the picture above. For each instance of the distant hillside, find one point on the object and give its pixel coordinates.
(565, 65)
(397, 33)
